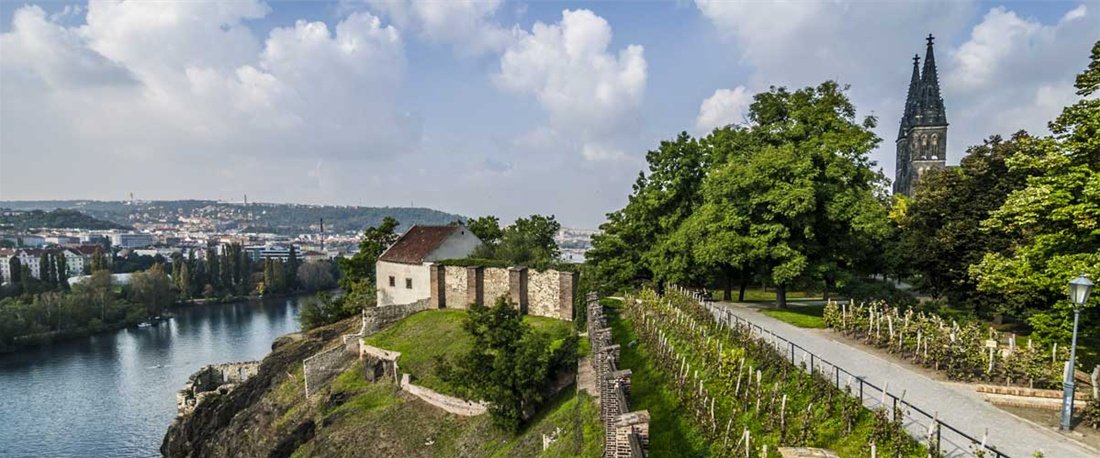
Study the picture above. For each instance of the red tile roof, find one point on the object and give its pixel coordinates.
(417, 243)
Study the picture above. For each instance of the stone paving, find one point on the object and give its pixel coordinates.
(955, 404)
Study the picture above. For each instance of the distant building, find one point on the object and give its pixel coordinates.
(262, 252)
(922, 137)
(314, 256)
(32, 257)
(62, 240)
(133, 240)
(403, 275)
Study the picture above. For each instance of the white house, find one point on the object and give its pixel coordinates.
(403, 269)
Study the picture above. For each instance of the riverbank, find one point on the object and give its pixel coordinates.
(98, 328)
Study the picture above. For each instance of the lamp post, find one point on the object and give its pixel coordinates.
(1079, 290)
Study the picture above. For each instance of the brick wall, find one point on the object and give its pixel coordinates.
(626, 433)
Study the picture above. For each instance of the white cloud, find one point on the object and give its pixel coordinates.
(589, 94)
(467, 24)
(723, 108)
(1015, 73)
(156, 85)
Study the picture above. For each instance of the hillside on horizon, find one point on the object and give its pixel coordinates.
(279, 218)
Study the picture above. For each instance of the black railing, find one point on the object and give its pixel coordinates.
(914, 417)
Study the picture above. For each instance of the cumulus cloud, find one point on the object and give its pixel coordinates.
(159, 84)
(466, 24)
(590, 94)
(723, 108)
(1014, 72)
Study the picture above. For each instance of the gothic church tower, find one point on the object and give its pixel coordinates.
(922, 137)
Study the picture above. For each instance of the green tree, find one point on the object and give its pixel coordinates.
(152, 289)
(486, 228)
(292, 264)
(15, 267)
(1054, 221)
(61, 270)
(530, 242)
(942, 231)
(360, 268)
(509, 364)
(183, 281)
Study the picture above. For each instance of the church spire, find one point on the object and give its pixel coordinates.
(931, 112)
(907, 117)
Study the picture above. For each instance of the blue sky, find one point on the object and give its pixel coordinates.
(494, 107)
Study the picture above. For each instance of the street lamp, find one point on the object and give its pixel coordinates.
(1079, 290)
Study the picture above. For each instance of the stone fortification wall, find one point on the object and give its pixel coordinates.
(626, 433)
(321, 368)
(454, 287)
(495, 284)
(376, 318)
(213, 379)
(546, 293)
(451, 404)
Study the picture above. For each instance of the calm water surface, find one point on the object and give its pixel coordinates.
(115, 394)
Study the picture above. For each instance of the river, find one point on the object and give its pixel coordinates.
(114, 394)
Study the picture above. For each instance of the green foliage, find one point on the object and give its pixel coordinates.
(324, 310)
(57, 218)
(791, 196)
(152, 288)
(361, 266)
(1053, 223)
(509, 364)
(529, 242)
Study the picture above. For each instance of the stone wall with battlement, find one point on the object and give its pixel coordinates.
(546, 293)
(626, 433)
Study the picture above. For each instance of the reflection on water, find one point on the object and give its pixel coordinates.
(114, 394)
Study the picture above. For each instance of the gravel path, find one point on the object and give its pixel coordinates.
(956, 405)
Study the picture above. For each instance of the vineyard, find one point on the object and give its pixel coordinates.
(748, 398)
(964, 352)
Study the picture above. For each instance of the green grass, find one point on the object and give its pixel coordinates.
(423, 336)
(759, 295)
(803, 316)
(671, 434)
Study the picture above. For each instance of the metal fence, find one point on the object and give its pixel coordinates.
(925, 427)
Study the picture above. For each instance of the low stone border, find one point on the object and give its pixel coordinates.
(451, 404)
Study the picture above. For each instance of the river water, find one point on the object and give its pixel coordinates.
(114, 394)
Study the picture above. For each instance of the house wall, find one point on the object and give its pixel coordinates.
(459, 244)
(399, 294)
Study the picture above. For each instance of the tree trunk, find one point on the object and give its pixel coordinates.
(781, 296)
(830, 284)
(744, 284)
(727, 283)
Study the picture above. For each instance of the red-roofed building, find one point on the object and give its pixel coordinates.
(403, 270)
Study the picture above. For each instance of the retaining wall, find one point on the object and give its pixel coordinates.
(213, 379)
(626, 433)
(322, 367)
(451, 404)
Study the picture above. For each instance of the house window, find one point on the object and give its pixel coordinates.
(393, 281)
(408, 283)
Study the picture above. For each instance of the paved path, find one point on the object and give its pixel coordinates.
(956, 405)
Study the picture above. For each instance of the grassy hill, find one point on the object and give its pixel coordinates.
(443, 330)
(270, 415)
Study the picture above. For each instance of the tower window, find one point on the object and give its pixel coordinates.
(393, 281)
(408, 283)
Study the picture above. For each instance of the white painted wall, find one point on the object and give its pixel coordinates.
(459, 244)
(399, 294)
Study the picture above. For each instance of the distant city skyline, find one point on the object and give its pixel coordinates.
(502, 108)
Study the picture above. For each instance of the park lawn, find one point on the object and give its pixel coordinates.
(423, 337)
(759, 295)
(803, 316)
(671, 433)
